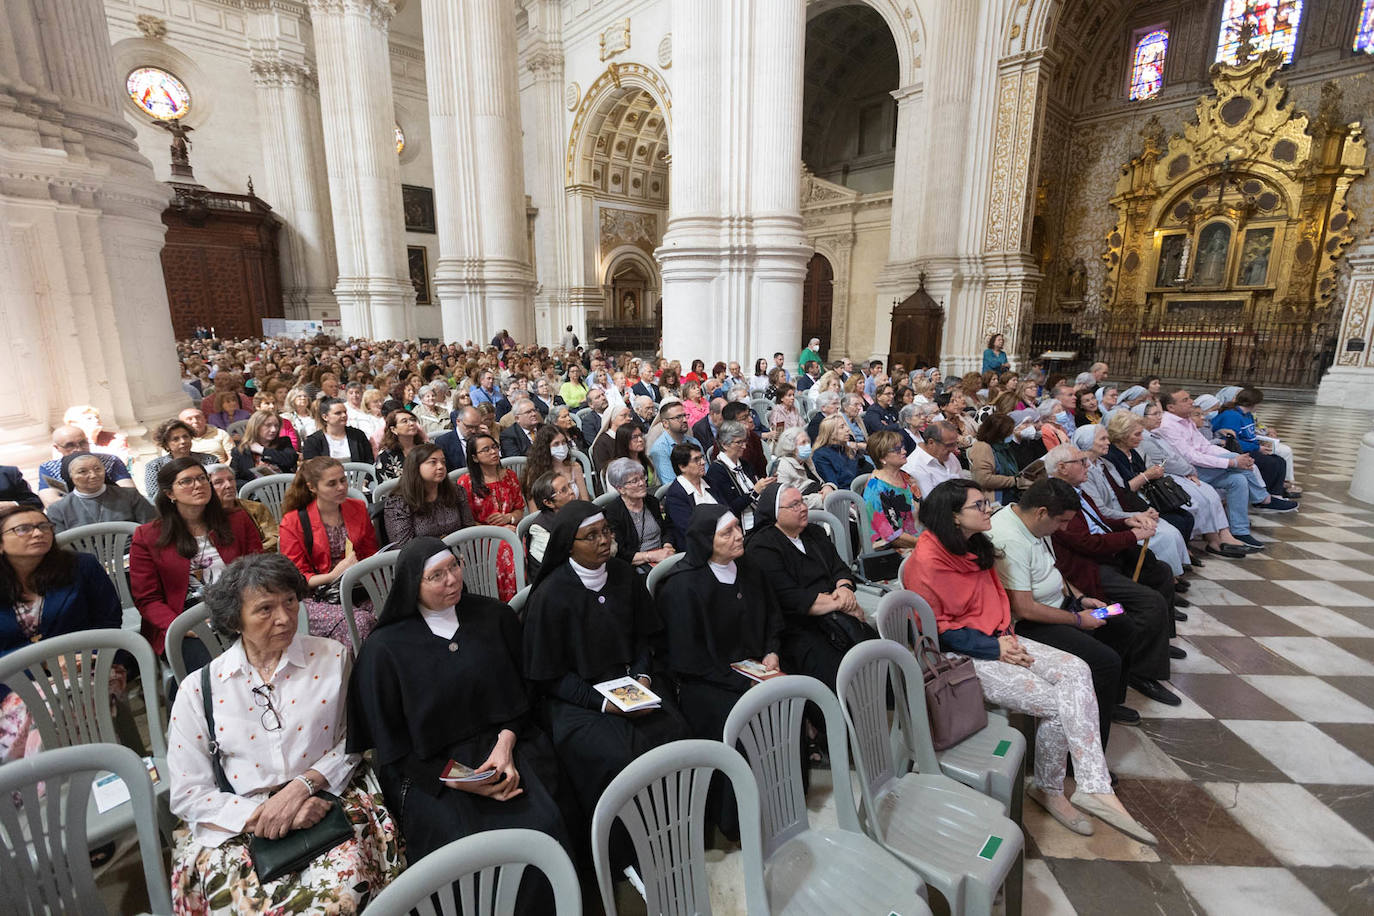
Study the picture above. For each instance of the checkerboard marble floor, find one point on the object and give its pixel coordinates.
(1260, 786)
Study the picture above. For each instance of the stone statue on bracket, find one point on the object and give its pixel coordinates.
(1076, 282)
(181, 147)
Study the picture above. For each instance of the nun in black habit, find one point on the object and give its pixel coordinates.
(589, 619)
(439, 680)
(813, 586)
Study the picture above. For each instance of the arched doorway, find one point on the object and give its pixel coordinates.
(917, 330)
(818, 298)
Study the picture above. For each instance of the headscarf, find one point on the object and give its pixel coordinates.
(1227, 394)
(1083, 436)
(1024, 414)
(1207, 403)
(1139, 409)
(565, 526)
(67, 474)
(607, 415)
(1130, 394)
(701, 535)
(403, 601)
(765, 510)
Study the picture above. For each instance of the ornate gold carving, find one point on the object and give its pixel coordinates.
(1358, 305)
(615, 77)
(615, 39)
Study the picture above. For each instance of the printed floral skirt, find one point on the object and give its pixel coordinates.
(328, 620)
(221, 880)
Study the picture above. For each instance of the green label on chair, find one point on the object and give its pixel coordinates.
(989, 850)
(1001, 749)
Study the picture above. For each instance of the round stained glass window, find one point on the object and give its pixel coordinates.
(159, 93)
(400, 140)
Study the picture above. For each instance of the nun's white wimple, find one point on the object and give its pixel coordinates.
(591, 520)
(437, 559)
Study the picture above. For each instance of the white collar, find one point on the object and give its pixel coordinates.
(593, 579)
(726, 573)
(236, 661)
(443, 622)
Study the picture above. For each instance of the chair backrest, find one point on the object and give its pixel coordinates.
(455, 474)
(901, 567)
(269, 490)
(593, 479)
(235, 429)
(360, 474)
(858, 484)
(384, 489)
(196, 617)
(517, 602)
(767, 720)
(581, 414)
(763, 407)
(375, 575)
(108, 542)
(659, 493)
(660, 798)
(355, 493)
(479, 546)
(903, 616)
(522, 527)
(839, 532)
(43, 841)
(65, 685)
(838, 504)
(662, 569)
(480, 875)
(605, 499)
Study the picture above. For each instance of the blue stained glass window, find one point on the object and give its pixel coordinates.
(1147, 64)
(159, 93)
(1364, 32)
(1271, 24)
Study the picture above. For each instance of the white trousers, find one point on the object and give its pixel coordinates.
(1206, 509)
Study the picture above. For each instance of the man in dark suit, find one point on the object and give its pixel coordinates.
(542, 397)
(704, 430)
(645, 386)
(645, 411)
(467, 423)
(14, 489)
(591, 423)
(516, 438)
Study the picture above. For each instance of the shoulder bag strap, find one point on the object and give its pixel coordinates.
(308, 538)
(215, 762)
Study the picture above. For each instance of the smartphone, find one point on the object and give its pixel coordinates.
(1111, 610)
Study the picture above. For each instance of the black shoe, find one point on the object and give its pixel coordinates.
(1231, 551)
(1181, 586)
(1195, 559)
(1275, 504)
(1156, 691)
(1177, 652)
(1179, 616)
(1180, 601)
(1125, 715)
(1249, 540)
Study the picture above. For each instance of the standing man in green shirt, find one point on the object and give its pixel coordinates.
(812, 351)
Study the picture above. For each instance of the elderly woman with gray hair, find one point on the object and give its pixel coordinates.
(1115, 500)
(912, 419)
(794, 468)
(432, 409)
(644, 535)
(729, 477)
(279, 704)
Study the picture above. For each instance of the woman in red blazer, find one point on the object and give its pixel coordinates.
(339, 533)
(172, 559)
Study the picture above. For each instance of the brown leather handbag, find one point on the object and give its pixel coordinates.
(954, 696)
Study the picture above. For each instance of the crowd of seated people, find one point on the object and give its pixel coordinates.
(1023, 502)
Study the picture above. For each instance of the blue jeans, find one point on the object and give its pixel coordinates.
(1234, 487)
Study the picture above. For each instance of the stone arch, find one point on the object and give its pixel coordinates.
(904, 21)
(611, 86)
(1028, 25)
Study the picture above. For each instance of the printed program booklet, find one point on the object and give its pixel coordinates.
(754, 670)
(457, 772)
(628, 694)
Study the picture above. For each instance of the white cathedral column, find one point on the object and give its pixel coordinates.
(1350, 379)
(734, 256)
(375, 296)
(483, 277)
(295, 185)
(83, 305)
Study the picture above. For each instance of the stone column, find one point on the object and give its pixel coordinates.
(734, 256)
(293, 145)
(1351, 378)
(83, 305)
(483, 277)
(376, 298)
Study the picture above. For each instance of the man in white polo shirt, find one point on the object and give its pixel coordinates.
(1048, 610)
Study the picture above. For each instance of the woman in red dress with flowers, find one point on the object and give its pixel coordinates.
(496, 498)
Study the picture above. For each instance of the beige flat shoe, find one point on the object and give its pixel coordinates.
(1123, 822)
(1079, 825)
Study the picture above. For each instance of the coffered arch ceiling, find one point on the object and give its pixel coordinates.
(628, 154)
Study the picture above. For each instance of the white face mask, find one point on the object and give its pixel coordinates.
(559, 452)
(1029, 433)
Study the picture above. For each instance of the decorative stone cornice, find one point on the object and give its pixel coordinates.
(379, 11)
(272, 70)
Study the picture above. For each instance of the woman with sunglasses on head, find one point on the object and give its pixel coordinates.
(173, 559)
(280, 708)
(440, 682)
(45, 591)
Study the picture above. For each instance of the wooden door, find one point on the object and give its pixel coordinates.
(818, 298)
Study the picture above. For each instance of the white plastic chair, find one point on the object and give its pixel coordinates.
(46, 843)
(480, 875)
(269, 490)
(522, 527)
(360, 474)
(479, 547)
(858, 484)
(108, 542)
(64, 682)
(605, 499)
(958, 839)
(196, 617)
(593, 480)
(839, 504)
(455, 474)
(658, 572)
(661, 800)
(839, 532)
(659, 493)
(516, 463)
(517, 603)
(375, 575)
(383, 489)
(810, 870)
(763, 407)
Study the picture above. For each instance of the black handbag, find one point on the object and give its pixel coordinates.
(844, 631)
(289, 854)
(879, 565)
(1166, 494)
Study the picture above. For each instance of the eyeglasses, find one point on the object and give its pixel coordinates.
(187, 483)
(1075, 461)
(25, 530)
(596, 534)
(448, 572)
(487, 450)
(262, 697)
(792, 507)
(674, 418)
(79, 443)
(981, 505)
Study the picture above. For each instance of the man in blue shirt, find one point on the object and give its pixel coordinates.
(673, 416)
(68, 440)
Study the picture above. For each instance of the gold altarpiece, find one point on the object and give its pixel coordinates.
(1227, 236)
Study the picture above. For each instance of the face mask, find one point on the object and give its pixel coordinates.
(1210, 416)
(1029, 433)
(804, 452)
(559, 452)
(1062, 416)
